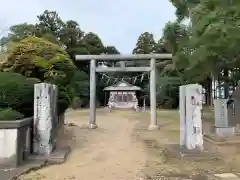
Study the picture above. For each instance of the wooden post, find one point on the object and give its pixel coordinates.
(153, 123)
(92, 122)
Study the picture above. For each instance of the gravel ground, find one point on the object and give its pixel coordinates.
(108, 152)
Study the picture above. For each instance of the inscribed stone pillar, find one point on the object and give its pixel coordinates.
(194, 137)
(220, 110)
(190, 116)
(222, 127)
(43, 118)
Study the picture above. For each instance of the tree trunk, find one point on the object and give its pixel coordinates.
(208, 91)
(226, 84)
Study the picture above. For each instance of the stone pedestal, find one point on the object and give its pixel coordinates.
(225, 131)
(93, 126)
(45, 117)
(192, 154)
(153, 127)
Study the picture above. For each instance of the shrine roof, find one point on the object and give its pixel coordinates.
(122, 86)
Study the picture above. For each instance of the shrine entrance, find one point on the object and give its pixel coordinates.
(152, 69)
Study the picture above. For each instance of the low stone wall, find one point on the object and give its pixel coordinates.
(15, 142)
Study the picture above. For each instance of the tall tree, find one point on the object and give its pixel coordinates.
(183, 8)
(213, 44)
(67, 35)
(18, 32)
(161, 47)
(50, 22)
(173, 34)
(71, 36)
(214, 37)
(90, 44)
(93, 44)
(111, 50)
(145, 44)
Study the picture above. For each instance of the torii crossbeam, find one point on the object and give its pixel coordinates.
(152, 69)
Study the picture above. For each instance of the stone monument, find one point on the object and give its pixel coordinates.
(225, 139)
(190, 117)
(222, 127)
(220, 112)
(45, 117)
(191, 135)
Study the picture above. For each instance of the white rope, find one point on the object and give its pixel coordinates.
(131, 79)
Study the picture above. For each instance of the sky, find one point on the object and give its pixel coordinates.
(116, 22)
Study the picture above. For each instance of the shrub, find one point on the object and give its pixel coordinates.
(17, 92)
(78, 89)
(76, 103)
(10, 114)
(38, 58)
(169, 103)
(63, 101)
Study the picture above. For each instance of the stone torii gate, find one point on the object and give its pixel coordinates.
(152, 69)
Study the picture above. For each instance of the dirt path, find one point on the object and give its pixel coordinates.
(108, 153)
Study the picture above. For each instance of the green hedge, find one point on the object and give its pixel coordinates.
(63, 102)
(17, 92)
(10, 114)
